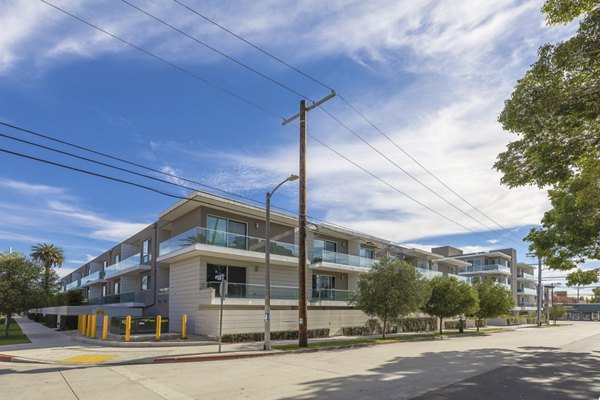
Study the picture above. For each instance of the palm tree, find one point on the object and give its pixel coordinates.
(49, 256)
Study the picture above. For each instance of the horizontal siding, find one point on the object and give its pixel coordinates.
(184, 293)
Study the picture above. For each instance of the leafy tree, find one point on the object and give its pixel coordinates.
(558, 312)
(494, 300)
(20, 285)
(555, 110)
(449, 297)
(391, 289)
(595, 295)
(48, 256)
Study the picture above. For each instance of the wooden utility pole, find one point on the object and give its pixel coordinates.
(302, 309)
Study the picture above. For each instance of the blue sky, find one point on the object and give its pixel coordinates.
(432, 75)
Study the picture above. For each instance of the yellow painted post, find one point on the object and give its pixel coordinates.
(94, 326)
(83, 324)
(127, 328)
(79, 323)
(158, 326)
(89, 325)
(105, 327)
(184, 326)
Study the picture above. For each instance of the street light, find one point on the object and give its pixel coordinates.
(267, 345)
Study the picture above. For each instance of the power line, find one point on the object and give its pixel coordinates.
(172, 65)
(240, 98)
(358, 112)
(276, 82)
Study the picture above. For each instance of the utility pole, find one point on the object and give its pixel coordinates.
(540, 289)
(302, 310)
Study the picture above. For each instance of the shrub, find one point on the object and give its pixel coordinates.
(418, 324)
(278, 335)
(451, 324)
(356, 331)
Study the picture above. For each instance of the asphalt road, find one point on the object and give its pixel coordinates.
(551, 363)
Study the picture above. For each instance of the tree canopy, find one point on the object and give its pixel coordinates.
(389, 290)
(48, 256)
(555, 110)
(449, 298)
(494, 300)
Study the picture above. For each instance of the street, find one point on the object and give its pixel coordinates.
(528, 363)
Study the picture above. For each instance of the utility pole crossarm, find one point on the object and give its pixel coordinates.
(313, 105)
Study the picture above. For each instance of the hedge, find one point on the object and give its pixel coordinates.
(278, 335)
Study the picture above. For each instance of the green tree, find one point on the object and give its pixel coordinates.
(390, 290)
(556, 113)
(494, 300)
(595, 295)
(48, 256)
(449, 298)
(558, 312)
(20, 285)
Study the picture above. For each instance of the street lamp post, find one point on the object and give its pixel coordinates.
(267, 345)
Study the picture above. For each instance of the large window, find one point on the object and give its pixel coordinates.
(145, 284)
(323, 287)
(235, 276)
(146, 253)
(226, 232)
(323, 250)
(367, 253)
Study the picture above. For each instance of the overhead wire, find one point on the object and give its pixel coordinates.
(242, 99)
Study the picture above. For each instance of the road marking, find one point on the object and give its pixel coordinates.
(163, 391)
(88, 359)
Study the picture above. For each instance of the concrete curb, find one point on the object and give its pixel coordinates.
(113, 343)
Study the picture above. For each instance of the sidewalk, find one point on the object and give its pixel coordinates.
(50, 346)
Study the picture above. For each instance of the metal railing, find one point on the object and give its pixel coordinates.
(344, 259)
(225, 239)
(256, 291)
(129, 297)
(122, 265)
(525, 290)
(525, 275)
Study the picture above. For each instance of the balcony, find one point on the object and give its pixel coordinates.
(525, 276)
(125, 266)
(461, 278)
(222, 244)
(121, 298)
(527, 291)
(486, 269)
(92, 278)
(339, 261)
(72, 285)
(428, 274)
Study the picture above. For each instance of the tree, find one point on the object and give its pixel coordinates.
(48, 256)
(555, 110)
(449, 297)
(595, 295)
(558, 312)
(391, 289)
(494, 300)
(20, 285)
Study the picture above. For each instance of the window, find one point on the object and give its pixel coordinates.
(117, 258)
(226, 232)
(367, 253)
(117, 288)
(146, 253)
(104, 265)
(322, 250)
(476, 262)
(145, 282)
(104, 290)
(422, 263)
(323, 287)
(235, 276)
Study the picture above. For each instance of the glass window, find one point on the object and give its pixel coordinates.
(146, 253)
(227, 233)
(117, 288)
(367, 253)
(104, 290)
(323, 287)
(321, 246)
(104, 265)
(476, 262)
(145, 282)
(235, 276)
(117, 258)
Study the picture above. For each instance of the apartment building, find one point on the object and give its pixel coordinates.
(500, 266)
(171, 268)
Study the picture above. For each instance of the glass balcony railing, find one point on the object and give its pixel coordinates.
(485, 268)
(429, 274)
(344, 259)
(254, 291)
(504, 285)
(461, 278)
(224, 239)
(524, 290)
(129, 297)
(72, 285)
(122, 265)
(525, 275)
(94, 276)
(526, 304)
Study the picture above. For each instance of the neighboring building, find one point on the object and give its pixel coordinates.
(171, 267)
(501, 267)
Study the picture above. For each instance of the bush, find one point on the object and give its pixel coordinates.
(480, 323)
(452, 324)
(278, 335)
(68, 322)
(356, 331)
(50, 320)
(512, 321)
(422, 324)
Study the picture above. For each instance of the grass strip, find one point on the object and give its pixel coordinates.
(399, 338)
(15, 334)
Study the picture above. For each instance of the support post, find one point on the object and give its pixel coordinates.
(105, 327)
(89, 326)
(93, 327)
(128, 328)
(158, 323)
(184, 326)
(302, 312)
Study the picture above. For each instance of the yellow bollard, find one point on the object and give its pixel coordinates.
(89, 325)
(105, 327)
(94, 327)
(127, 328)
(83, 324)
(79, 323)
(184, 326)
(158, 326)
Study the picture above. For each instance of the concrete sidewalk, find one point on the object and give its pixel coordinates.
(50, 346)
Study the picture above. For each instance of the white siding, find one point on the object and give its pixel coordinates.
(184, 293)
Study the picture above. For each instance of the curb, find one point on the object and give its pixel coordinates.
(112, 343)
